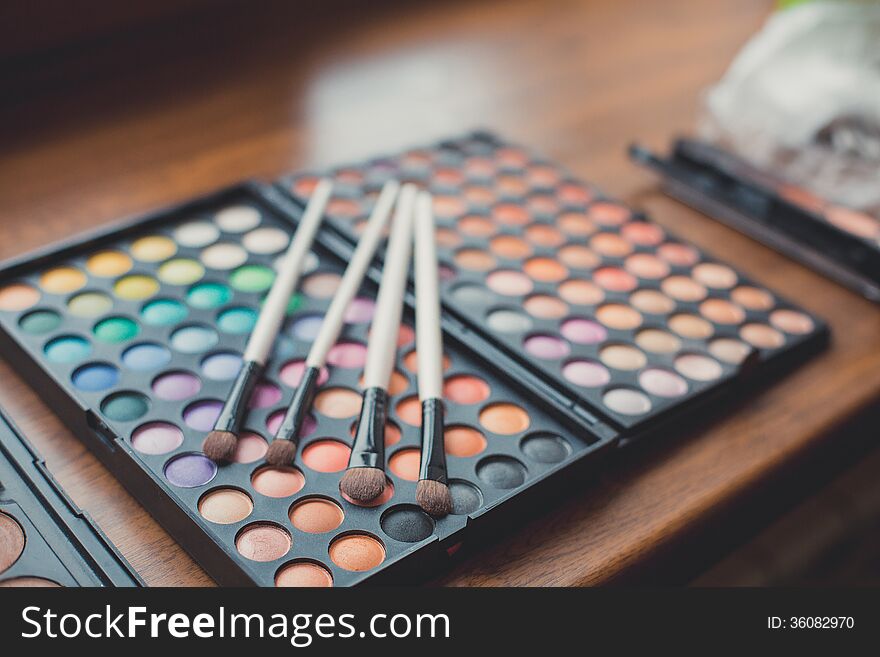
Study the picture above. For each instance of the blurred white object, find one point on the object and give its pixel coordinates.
(802, 100)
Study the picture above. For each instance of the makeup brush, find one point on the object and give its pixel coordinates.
(364, 480)
(282, 449)
(432, 491)
(220, 444)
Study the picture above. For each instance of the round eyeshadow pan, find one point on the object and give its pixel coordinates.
(406, 523)
(62, 280)
(698, 367)
(316, 515)
(156, 438)
(163, 312)
(291, 373)
(545, 306)
(471, 295)
(67, 349)
(322, 285)
(546, 270)
(608, 214)
(501, 472)
(176, 386)
(196, 234)
(691, 326)
(278, 481)
(762, 336)
(237, 218)
(303, 574)
(576, 224)
(135, 287)
(545, 448)
(115, 329)
(40, 322)
(622, 357)
(222, 366)
(615, 279)
(89, 304)
(791, 321)
(547, 347)
(474, 259)
(359, 311)
(683, 288)
(405, 463)
(626, 401)
(180, 271)
(357, 552)
(646, 265)
(476, 226)
(238, 320)
(753, 298)
(265, 394)
(223, 256)
(326, 455)
(125, 406)
(722, 311)
(510, 247)
(662, 383)
(583, 331)
(509, 283)
(657, 341)
(190, 470)
(581, 293)
(266, 240)
(18, 296)
(193, 339)
(715, 275)
(463, 441)
(619, 316)
(208, 295)
(611, 245)
(12, 541)
(729, 350)
(95, 376)
(652, 302)
(202, 415)
(586, 373)
(252, 278)
(348, 355)
(384, 498)
(508, 321)
(466, 389)
(338, 402)
(225, 506)
(263, 541)
(504, 418)
(108, 263)
(153, 248)
(306, 327)
(466, 498)
(409, 410)
(251, 447)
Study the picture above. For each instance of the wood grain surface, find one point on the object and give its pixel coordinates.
(127, 124)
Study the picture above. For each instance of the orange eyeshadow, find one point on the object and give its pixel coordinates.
(504, 418)
(463, 441)
(316, 515)
(18, 296)
(545, 269)
(405, 464)
(507, 246)
(410, 362)
(326, 456)
(357, 552)
(273, 481)
(303, 574)
(510, 214)
(576, 223)
(545, 306)
(338, 402)
(465, 389)
(582, 293)
(410, 410)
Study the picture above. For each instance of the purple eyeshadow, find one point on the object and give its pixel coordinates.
(583, 331)
(202, 415)
(274, 421)
(174, 386)
(190, 470)
(221, 367)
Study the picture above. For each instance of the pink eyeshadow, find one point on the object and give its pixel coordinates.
(546, 346)
(350, 355)
(583, 331)
(265, 394)
(586, 373)
(175, 386)
(291, 373)
(251, 447)
(274, 421)
(359, 311)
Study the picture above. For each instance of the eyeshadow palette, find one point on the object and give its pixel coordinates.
(617, 319)
(45, 540)
(133, 335)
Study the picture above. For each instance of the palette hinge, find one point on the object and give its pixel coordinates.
(101, 431)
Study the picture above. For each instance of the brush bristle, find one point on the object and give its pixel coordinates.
(281, 452)
(434, 497)
(363, 484)
(220, 445)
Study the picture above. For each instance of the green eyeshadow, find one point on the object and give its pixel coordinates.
(40, 322)
(125, 406)
(115, 329)
(208, 295)
(252, 278)
(67, 349)
(164, 312)
(293, 305)
(237, 320)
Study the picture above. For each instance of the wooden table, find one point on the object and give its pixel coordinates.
(157, 116)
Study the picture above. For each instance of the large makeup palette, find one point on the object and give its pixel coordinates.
(134, 337)
(45, 540)
(621, 320)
